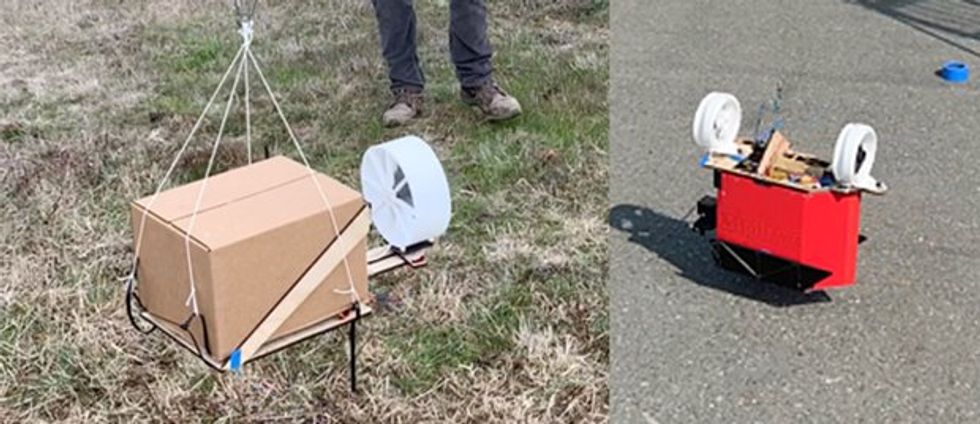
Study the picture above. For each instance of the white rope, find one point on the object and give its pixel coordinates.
(192, 296)
(173, 165)
(355, 297)
(246, 32)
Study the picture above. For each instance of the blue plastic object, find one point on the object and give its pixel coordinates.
(707, 156)
(826, 181)
(235, 363)
(955, 71)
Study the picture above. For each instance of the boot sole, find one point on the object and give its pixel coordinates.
(497, 118)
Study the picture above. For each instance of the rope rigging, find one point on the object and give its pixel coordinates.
(243, 61)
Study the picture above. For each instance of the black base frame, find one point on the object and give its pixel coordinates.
(134, 310)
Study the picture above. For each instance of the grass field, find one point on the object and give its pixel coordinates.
(509, 322)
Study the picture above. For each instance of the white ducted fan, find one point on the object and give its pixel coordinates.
(716, 123)
(854, 156)
(406, 187)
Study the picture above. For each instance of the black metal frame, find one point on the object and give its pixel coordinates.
(135, 308)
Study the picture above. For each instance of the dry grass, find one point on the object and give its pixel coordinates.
(508, 324)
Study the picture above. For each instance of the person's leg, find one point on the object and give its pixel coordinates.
(396, 24)
(469, 46)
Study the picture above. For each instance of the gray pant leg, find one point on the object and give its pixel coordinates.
(469, 44)
(396, 23)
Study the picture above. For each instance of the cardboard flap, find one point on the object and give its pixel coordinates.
(262, 212)
(224, 188)
(250, 200)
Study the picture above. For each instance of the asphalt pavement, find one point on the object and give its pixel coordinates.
(695, 344)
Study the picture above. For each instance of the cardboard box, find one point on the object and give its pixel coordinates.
(259, 228)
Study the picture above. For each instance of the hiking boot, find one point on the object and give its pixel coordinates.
(496, 104)
(406, 106)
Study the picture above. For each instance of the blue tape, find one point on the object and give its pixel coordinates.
(955, 72)
(826, 181)
(707, 156)
(235, 363)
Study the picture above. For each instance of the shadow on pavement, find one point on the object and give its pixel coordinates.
(672, 240)
(941, 20)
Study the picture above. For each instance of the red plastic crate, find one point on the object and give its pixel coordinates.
(818, 229)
